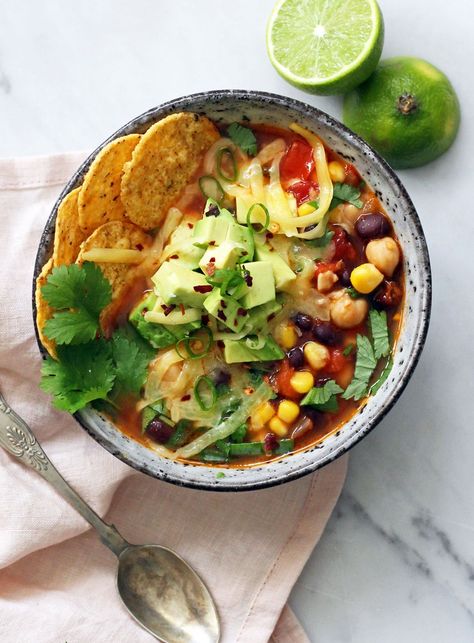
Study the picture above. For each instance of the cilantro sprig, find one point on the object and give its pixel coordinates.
(243, 137)
(365, 366)
(78, 294)
(379, 330)
(323, 398)
(345, 193)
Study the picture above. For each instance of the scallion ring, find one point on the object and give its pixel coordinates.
(202, 383)
(226, 152)
(211, 188)
(186, 344)
(255, 342)
(252, 224)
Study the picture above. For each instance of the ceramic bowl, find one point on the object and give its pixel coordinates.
(225, 107)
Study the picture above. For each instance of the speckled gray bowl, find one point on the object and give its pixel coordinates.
(259, 107)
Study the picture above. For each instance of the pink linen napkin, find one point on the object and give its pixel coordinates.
(57, 582)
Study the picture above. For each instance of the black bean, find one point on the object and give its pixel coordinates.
(296, 357)
(303, 321)
(345, 277)
(371, 226)
(159, 431)
(325, 333)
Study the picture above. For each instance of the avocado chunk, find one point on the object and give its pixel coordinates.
(211, 230)
(227, 310)
(224, 256)
(179, 285)
(238, 351)
(188, 255)
(282, 272)
(158, 335)
(243, 237)
(258, 316)
(262, 287)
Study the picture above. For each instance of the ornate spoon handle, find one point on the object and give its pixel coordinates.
(17, 438)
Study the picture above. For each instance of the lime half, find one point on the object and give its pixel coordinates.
(325, 46)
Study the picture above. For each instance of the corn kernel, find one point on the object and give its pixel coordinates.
(262, 415)
(366, 278)
(302, 381)
(336, 172)
(287, 336)
(316, 355)
(305, 208)
(288, 411)
(278, 427)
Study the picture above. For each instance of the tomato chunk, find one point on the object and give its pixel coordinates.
(337, 361)
(343, 246)
(303, 191)
(352, 175)
(282, 380)
(298, 162)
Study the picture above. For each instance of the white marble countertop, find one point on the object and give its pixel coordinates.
(396, 563)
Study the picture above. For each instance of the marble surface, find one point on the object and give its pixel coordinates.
(396, 563)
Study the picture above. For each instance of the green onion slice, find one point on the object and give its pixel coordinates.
(221, 156)
(185, 348)
(205, 393)
(211, 188)
(255, 342)
(252, 224)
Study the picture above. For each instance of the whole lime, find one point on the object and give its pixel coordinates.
(407, 110)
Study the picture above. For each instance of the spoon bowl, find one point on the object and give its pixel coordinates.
(165, 595)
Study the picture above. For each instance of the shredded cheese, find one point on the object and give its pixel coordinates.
(113, 255)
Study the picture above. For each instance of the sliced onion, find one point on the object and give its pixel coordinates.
(268, 153)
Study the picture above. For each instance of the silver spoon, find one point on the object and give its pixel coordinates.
(160, 590)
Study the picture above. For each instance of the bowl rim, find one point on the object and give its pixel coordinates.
(304, 109)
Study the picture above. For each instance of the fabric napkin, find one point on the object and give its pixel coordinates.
(57, 582)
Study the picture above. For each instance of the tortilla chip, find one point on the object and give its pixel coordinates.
(116, 234)
(163, 163)
(43, 309)
(68, 235)
(99, 198)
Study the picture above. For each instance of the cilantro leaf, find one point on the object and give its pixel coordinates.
(321, 242)
(82, 374)
(131, 363)
(382, 377)
(323, 398)
(353, 293)
(365, 365)
(348, 349)
(79, 293)
(243, 137)
(379, 330)
(345, 193)
(71, 327)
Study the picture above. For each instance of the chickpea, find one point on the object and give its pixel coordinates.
(345, 214)
(347, 312)
(384, 254)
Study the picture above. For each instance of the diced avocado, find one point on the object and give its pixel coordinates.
(210, 229)
(243, 237)
(221, 257)
(227, 310)
(258, 316)
(262, 288)
(237, 351)
(158, 335)
(179, 285)
(282, 272)
(188, 255)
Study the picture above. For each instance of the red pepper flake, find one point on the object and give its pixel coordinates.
(139, 247)
(202, 289)
(212, 243)
(223, 304)
(221, 315)
(247, 277)
(168, 309)
(185, 398)
(269, 235)
(248, 390)
(181, 307)
(205, 320)
(210, 269)
(220, 343)
(190, 226)
(174, 257)
(144, 311)
(241, 311)
(212, 260)
(235, 322)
